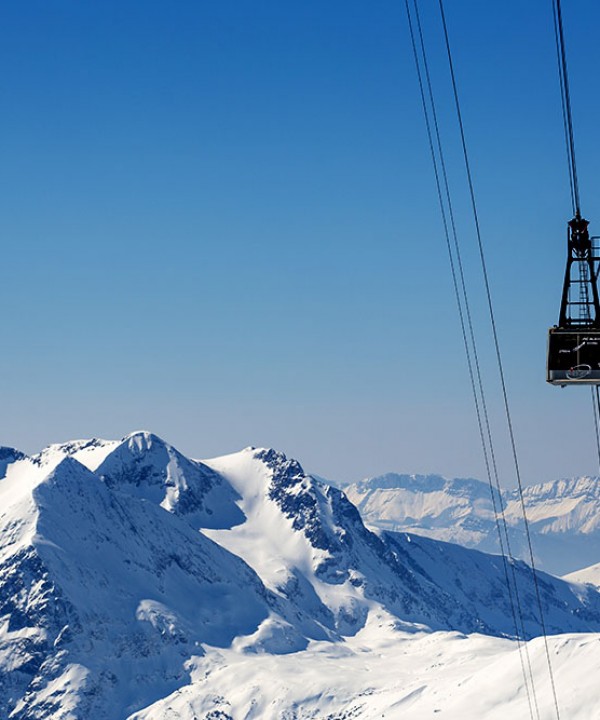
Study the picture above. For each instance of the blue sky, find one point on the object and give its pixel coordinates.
(218, 222)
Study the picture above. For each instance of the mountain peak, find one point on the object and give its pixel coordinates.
(69, 475)
(278, 461)
(146, 466)
(143, 440)
(111, 584)
(584, 486)
(9, 455)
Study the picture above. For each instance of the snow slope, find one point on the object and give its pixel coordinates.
(590, 575)
(138, 583)
(384, 672)
(564, 515)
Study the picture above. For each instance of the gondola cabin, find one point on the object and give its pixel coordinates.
(573, 357)
(574, 344)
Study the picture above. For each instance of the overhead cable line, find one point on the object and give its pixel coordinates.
(473, 343)
(498, 354)
(470, 345)
(565, 94)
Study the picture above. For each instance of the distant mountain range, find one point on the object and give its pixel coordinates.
(129, 573)
(564, 515)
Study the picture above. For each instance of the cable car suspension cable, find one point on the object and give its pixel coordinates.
(566, 105)
(498, 354)
(470, 349)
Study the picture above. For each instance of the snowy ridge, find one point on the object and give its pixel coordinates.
(564, 515)
(587, 576)
(561, 506)
(7, 457)
(88, 452)
(139, 584)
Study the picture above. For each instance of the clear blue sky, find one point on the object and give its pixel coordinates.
(218, 222)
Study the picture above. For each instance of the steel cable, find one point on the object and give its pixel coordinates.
(565, 95)
(498, 354)
(470, 349)
(479, 398)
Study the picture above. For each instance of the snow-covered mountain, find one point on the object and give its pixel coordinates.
(136, 582)
(564, 515)
(99, 595)
(589, 575)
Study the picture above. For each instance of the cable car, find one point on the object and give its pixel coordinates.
(574, 344)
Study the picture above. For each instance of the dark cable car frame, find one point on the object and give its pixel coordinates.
(574, 344)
